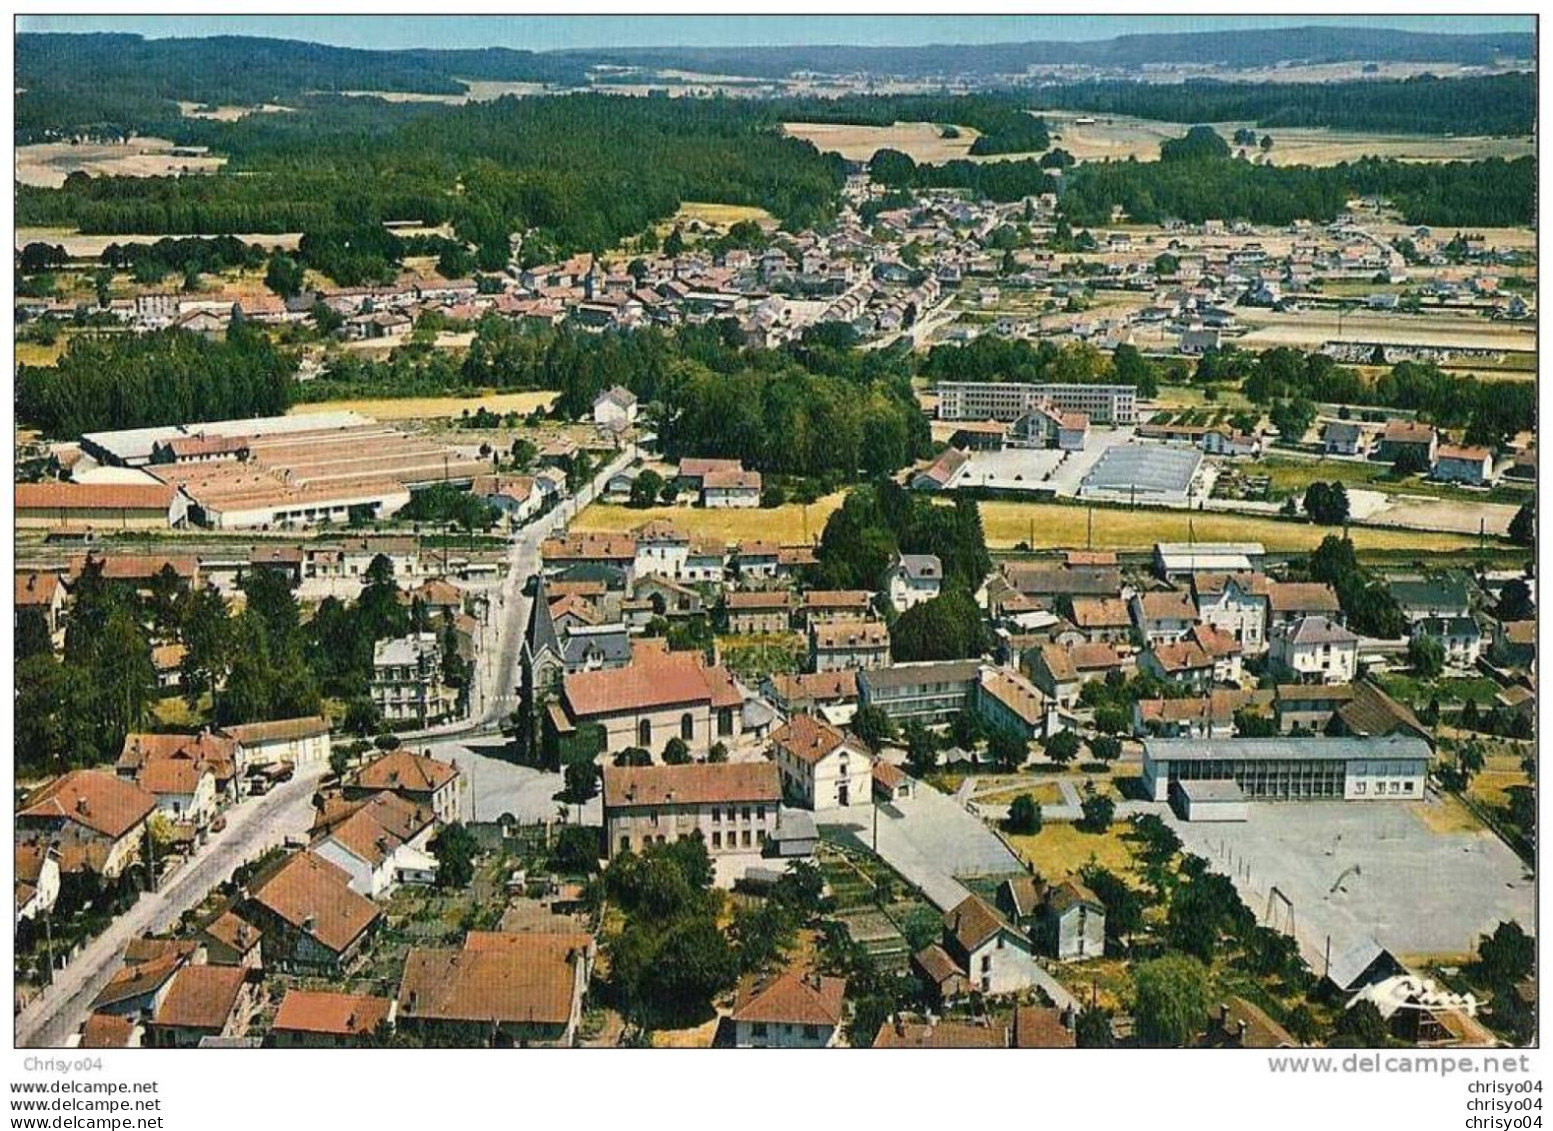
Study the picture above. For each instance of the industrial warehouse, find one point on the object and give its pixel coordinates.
(276, 471)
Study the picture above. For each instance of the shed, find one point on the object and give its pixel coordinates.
(1209, 800)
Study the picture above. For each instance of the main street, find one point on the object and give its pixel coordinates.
(261, 823)
(255, 825)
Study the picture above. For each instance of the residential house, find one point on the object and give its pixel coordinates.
(1235, 604)
(1164, 617)
(891, 783)
(810, 692)
(201, 1001)
(1205, 716)
(1102, 620)
(721, 489)
(1431, 597)
(1420, 441)
(1316, 650)
(1308, 708)
(137, 989)
(95, 821)
(42, 593)
(980, 952)
(407, 683)
(793, 1009)
(848, 645)
(931, 692)
(1042, 1027)
(730, 806)
(378, 843)
(1473, 466)
(1060, 671)
(912, 579)
(37, 880)
(1289, 602)
(827, 606)
(310, 918)
(939, 1033)
(1070, 925)
(765, 612)
(231, 940)
(220, 755)
(615, 408)
(1183, 663)
(310, 1019)
(513, 989)
(1460, 638)
(1239, 1024)
(821, 767)
(1007, 701)
(423, 781)
(299, 742)
(1344, 438)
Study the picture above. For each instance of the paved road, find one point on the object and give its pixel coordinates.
(500, 695)
(252, 827)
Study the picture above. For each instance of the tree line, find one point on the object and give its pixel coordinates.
(1424, 104)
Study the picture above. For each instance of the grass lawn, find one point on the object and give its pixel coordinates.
(1059, 850)
(1412, 690)
(1292, 476)
(425, 408)
(1191, 396)
(1445, 814)
(1054, 524)
(1044, 793)
(173, 711)
(751, 657)
(785, 524)
(1500, 773)
(36, 353)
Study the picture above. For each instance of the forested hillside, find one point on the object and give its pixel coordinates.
(1490, 104)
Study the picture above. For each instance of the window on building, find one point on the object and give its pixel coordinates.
(811, 1032)
(986, 963)
(746, 812)
(717, 815)
(717, 838)
(625, 844)
(758, 1028)
(687, 727)
(644, 734)
(746, 840)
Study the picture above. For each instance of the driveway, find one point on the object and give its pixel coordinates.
(253, 827)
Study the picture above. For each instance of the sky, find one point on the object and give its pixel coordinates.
(542, 33)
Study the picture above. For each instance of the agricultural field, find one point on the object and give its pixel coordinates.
(923, 142)
(1292, 476)
(787, 524)
(1008, 523)
(1310, 329)
(429, 408)
(229, 113)
(47, 164)
(1116, 137)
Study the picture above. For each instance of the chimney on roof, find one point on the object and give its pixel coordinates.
(310, 923)
(1240, 1030)
(1224, 1014)
(81, 805)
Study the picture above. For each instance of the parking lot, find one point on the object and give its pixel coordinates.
(1359, 870)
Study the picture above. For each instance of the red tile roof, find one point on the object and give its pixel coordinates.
(793, 997)
(524, 978)
(94, 496)
(307, 887)
(93, 799)
(330, 1014)
(696, 784)
(201, 997)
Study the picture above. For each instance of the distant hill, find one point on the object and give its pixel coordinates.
(108, 83)
(1235, 49)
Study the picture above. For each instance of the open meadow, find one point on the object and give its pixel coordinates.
(923, 142)
(788, 525)
(428, 408)
(47, 164)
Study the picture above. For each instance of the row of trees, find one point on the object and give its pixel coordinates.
(1490, 411)
(993, 358)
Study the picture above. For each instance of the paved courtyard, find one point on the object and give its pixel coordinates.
(930, 839)
(1357, 870)
(497, 786)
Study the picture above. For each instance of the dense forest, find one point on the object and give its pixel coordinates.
(1487, 193)
(583, 171)
(168, 377)
(1487, 104)
(112, 85)
(1002, 181)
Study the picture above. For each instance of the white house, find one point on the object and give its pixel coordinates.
(37, 880)
(1233, 603)
(912, 579)
(661, 548)
(1460, 638)
(615, 408)
(981, 952)
(1164, 617)
(301, 742)
(795, 1009)
(1316, 649)
(728, 488)
(185, 789)
(1472, 466)
(822, 768)
(379, 843)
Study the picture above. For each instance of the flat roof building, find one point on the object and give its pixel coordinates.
(1392, 768)
(1007, 401)
(1152, 472)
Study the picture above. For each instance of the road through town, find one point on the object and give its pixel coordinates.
(252, 827)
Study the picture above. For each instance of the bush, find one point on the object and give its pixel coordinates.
(1024, 816)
